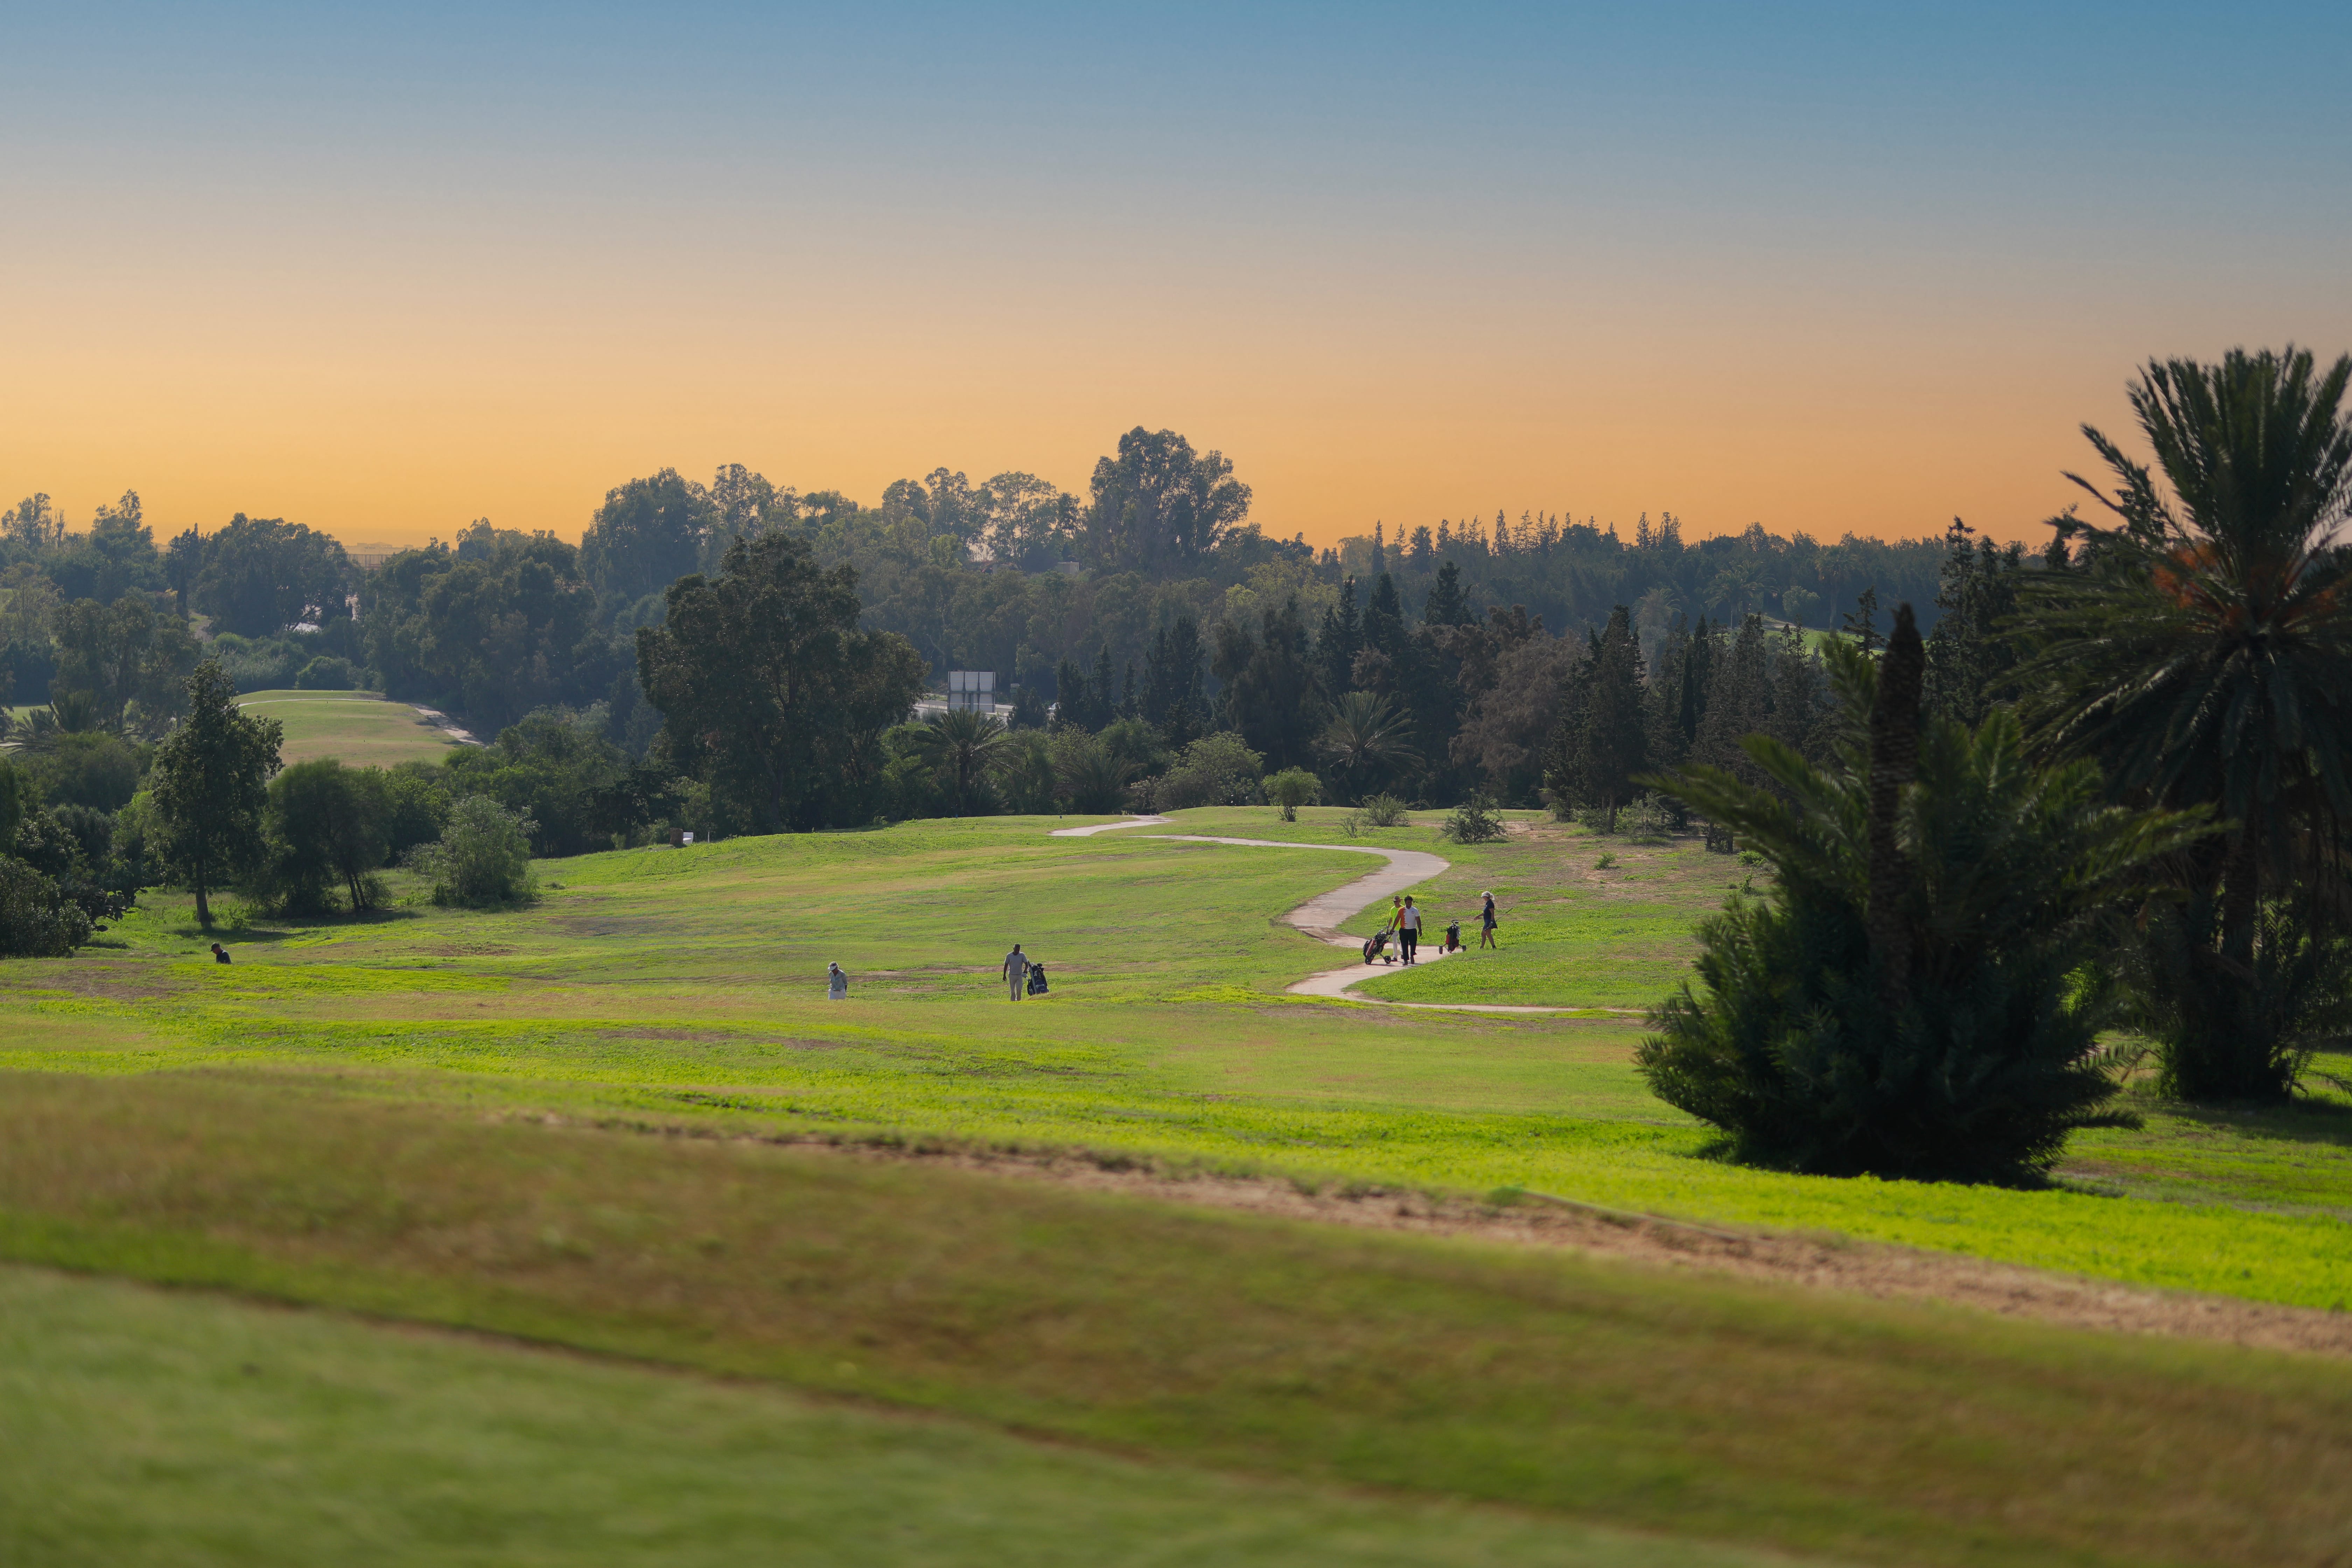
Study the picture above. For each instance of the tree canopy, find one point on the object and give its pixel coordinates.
(769, 690)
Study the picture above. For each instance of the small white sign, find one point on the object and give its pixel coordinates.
(688, 838)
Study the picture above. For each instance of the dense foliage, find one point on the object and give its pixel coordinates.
(500, 625)
(2201, 650)
(1906, 1000)
(771, 693)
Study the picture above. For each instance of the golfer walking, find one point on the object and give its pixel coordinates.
(1016, 970)
(1487, 923)
(1408, 925)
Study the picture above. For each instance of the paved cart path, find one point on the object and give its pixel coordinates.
(1321, 917)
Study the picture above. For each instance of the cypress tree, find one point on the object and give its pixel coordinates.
(1338, 642)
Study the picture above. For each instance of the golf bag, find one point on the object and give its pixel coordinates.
(1378, 947)
(1036, 980)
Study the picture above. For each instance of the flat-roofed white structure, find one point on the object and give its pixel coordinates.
(972, 688)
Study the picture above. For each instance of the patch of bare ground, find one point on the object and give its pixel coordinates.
(98, 983)
(1817, 1262)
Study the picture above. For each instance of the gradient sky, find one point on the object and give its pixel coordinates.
(1823, 268)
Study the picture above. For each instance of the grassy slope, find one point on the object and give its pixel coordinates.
(142, 1427)
(358, 727)
(1704, 1407)
(216, 1125)
(681, 987)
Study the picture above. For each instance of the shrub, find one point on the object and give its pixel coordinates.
(1904, 1001)
(482, 858)
(325, 824)
(1474, 821)
(2218, 1036)
(1384, 811)
(327, 673)
(1292, 788)
(1215, 770)
(1087, 775)
(87, 767)
(1595, 819)
(36, 921)
(1647, 821)
(558, 768)
(416, 797)
(258, 664)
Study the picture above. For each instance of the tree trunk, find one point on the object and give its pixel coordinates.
(1894, 762)
(2242, 895)
(204, 909)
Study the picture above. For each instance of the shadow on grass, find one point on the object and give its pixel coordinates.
(2300, 1121)
(231, 933)
(1728, 1149)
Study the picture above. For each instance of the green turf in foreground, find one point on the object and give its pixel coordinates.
(145, 1427)
(1711, 1409)
(360, 728)
(683, 989)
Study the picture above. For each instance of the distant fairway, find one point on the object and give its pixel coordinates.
(360, 728)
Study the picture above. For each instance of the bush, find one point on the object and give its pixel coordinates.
(1215, 770)
(1292, 788)
(2219, 1034)
(557, 768)
(325, 824)
(259, 664)
(87, 767)
(72, 847)
(1384, 811)
(1906, 1000)
(1474, 821)
(1647, 821)
(482, 859)
(417, 795)
(1086, 775)
(36, 921)
(327, 673)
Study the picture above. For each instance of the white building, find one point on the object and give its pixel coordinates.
(972, 688)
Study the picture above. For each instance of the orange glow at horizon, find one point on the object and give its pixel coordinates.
(407, 424)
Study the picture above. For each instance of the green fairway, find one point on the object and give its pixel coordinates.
(685, 986)
(350, 1115)
(140, 1427)
(359, 728)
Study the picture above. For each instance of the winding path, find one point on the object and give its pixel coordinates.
(1320, 916)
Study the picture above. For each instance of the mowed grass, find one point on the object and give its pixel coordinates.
(1711, 1410)
(683, 989)
(145, 1427)
(359, 728)
(443, 1116)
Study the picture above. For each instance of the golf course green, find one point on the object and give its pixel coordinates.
(628, 1121)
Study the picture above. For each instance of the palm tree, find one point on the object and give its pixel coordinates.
(2201, 650)
(965, 747)
(1091, 776)
(1367, 741)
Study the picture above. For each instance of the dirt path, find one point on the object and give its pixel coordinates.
(1321, 918)
(1878, 1269)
